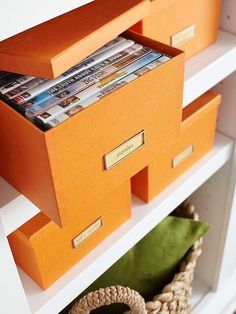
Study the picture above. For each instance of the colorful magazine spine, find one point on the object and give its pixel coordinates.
(82, 66)
(84, 79)
(109, 90)
(76, 99)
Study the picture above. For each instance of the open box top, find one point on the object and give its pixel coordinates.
(51, 48)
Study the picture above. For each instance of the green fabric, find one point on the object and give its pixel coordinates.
(152, 262)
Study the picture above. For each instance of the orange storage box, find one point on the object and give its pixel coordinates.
(70, 166)
(190, 25)
(45, 251)
(195, 140)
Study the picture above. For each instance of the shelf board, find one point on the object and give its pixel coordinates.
(144, 218)
(24, 10)
(15, 209)
(209, 67)
(221, 301)
(200, 290)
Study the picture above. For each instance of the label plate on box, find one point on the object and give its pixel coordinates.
(84, 235)
(124, 150)
(182, 156)
(183, 36)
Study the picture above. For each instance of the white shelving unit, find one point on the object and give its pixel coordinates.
(209, 67)
(144, 218)
(210, 183)
(24, 12)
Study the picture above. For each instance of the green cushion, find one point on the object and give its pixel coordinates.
(152, 262)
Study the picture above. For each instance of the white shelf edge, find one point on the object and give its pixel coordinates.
(221, 301)
(15, 208)
(209, 67)
(144, 218)
(200, 290)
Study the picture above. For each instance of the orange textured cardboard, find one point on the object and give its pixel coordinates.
(63, 168)
(190, 25)
(51, 48)
(195, 139)
(45, 251)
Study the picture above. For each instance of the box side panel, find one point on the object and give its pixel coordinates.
(195, 140)
(158, 5)
(155, 44)
(24, 160)
(139, 184)
(22, 252)
(203, 104)
(173, 22)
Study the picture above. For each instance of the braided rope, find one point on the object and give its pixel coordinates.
(174, 298)
(107, 296)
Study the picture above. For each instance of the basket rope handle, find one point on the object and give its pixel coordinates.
(107, 296)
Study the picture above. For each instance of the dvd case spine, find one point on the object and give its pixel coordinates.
(7, 79)
(15, 83)
(109, 90)
(3, 73)
(82, 66)
(111, 44)
(24, 88)
(85, 79)
(76, 99)
(87, 102)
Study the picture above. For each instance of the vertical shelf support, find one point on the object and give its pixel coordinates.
(12, 298)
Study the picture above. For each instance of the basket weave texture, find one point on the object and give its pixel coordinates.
(174, 298)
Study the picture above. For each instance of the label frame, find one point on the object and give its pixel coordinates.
(184, 155)
(108, 165)
(76, 241)
(176, 42)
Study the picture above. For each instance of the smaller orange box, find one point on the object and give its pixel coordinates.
(196, 138)
(45, 251)
(190, 25)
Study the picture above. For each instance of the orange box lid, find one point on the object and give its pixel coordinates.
(51, 48)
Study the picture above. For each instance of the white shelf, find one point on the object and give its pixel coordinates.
(17, 16)
(144, 218)
(15, 209)
(221, 301)
(200, 290)
(209, 67)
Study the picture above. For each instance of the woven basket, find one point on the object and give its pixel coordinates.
(174, 298)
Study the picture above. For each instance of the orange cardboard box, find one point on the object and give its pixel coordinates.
(45, 251)
(190, 25)
(73, 165)
(195, 140)
(51, 48)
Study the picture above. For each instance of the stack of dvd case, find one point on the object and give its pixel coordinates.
(47, 103)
